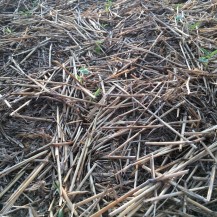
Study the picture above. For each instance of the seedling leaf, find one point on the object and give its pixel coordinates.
(60, 213)
(97, 92)
(84, 71)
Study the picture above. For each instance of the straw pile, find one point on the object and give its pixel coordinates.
(108, 108)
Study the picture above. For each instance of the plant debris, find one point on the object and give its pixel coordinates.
(108, 108)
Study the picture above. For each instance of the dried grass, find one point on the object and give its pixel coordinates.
(108, 108)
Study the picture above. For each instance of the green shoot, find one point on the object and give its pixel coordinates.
(205, 51)
(208, 55)
(25, 13)
(97, 92)
(179, 6)
(84, 71)
(212, 54)
(104, 25)
(7, 30)
(79, 78)
(60, 213)
(97, 47)
(108, 5)
(179, 18)
(194, 26)
(56, 186)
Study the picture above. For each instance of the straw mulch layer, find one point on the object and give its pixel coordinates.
(108, 108)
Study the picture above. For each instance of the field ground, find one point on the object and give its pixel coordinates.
(108, 108)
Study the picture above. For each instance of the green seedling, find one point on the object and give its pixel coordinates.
(179, 6)
(108, 5)
(97, 47)
(208, 55)
(25, 13)
(57, 186)
(79, 78)
(104, 25)
(60, 213)
(7, 30)
(35, 3)
(203, 60)
(84, 71)
(179, 18)
(97, 92)
(205, 51)
(211, 54)
(194, 26)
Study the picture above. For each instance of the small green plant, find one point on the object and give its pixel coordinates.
(194, 26)
(79, 78)
(97, 92)
(35, 3)
(56, 185)
(179, 6)
(31, 6)
(84, 71)
(179, 18)
(205, 51)
(7, 30)
(97, 47)
(60, 213)
(26, 13)
(104, 25)
(207, 56)
(108, 5)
